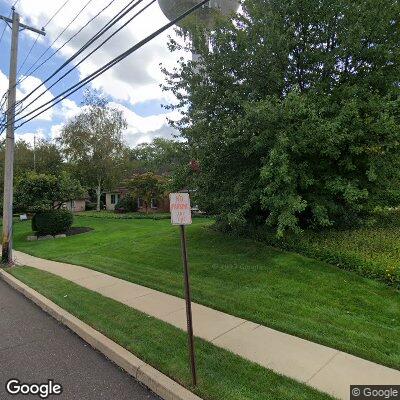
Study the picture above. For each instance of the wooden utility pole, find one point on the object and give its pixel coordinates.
(10, 140)
(34, 152)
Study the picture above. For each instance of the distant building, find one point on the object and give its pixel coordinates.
(77, 205)
(156, 205)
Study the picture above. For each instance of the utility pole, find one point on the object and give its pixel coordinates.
(10, 140)
(34, 152)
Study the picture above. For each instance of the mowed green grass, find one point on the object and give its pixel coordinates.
(282, 290)
(372, 250)
(221, 374)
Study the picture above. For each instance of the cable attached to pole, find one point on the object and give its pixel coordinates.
(107, 66)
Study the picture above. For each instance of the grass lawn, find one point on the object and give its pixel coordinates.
(221, 374)
(282, 290)
(372, 251)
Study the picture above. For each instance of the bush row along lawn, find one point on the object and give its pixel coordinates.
(372, 251)
(133, 215)
(115, 215)
(246, 278)
(221, 374)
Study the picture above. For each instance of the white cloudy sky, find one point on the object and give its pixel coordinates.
(133, 85)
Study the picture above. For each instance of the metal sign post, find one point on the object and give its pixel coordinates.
(181, 215)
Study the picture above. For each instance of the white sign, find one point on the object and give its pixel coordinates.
(181, 213)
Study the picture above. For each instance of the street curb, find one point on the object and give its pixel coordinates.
(156, 381)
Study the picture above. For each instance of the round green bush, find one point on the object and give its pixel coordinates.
(126, 204)
(52, 222)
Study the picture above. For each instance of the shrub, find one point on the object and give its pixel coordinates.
(52, 222)
(126, 204)
(90, 206)
(370, 250)
(40, 192)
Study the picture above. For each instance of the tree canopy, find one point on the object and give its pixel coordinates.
(293, 112)
(161, 156)
(93, 144)
(147, 186)
(36, 192)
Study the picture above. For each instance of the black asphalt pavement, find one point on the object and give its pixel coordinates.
(34, 348)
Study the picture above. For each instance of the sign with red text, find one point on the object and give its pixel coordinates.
(181, 212)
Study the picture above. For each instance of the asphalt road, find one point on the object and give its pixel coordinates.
(34, 348)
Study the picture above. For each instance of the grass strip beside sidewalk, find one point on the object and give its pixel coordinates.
(222, 375)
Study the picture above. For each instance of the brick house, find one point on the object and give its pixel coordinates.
(157, 205)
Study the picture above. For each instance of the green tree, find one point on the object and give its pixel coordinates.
(93, 145)
(293, 113)
(161, 156)
(45, 158)
(43, 192)
(147, 186)
(48, 157)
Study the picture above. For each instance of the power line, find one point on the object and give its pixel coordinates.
(101, 32)
(92, 52)
(109, 65)
(56, 13)
(29, 72)
(37, 37)
(5, 23)
(54, 41)
(107, 27)
(4, 29)
(1, 38)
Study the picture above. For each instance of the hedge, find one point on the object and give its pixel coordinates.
(52, 222)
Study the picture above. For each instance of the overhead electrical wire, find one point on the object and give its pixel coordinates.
(1, 38)
(38, 35)
(101, 32)
(34, 68)
(4, 29)
(128, 7)
(92, 52)
(109, 65)
(58, 37)
(124, 11)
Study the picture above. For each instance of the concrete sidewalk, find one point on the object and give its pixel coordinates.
(324, 368)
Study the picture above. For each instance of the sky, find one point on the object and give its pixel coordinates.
(132, 86)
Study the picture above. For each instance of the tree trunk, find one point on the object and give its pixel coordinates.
(98, 194)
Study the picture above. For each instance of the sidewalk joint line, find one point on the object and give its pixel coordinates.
(325, 364)
(222, 334)
(172, 312)
(132, 298)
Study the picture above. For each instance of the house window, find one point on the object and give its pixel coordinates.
(114, 199)
(154, 203)
(140, 203)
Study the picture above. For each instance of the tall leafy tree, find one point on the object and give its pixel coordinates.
(293, 112)
(161, 156)
(147, 186)
(48, 158)
(93, 144)
(45, 158)
(36, 192)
